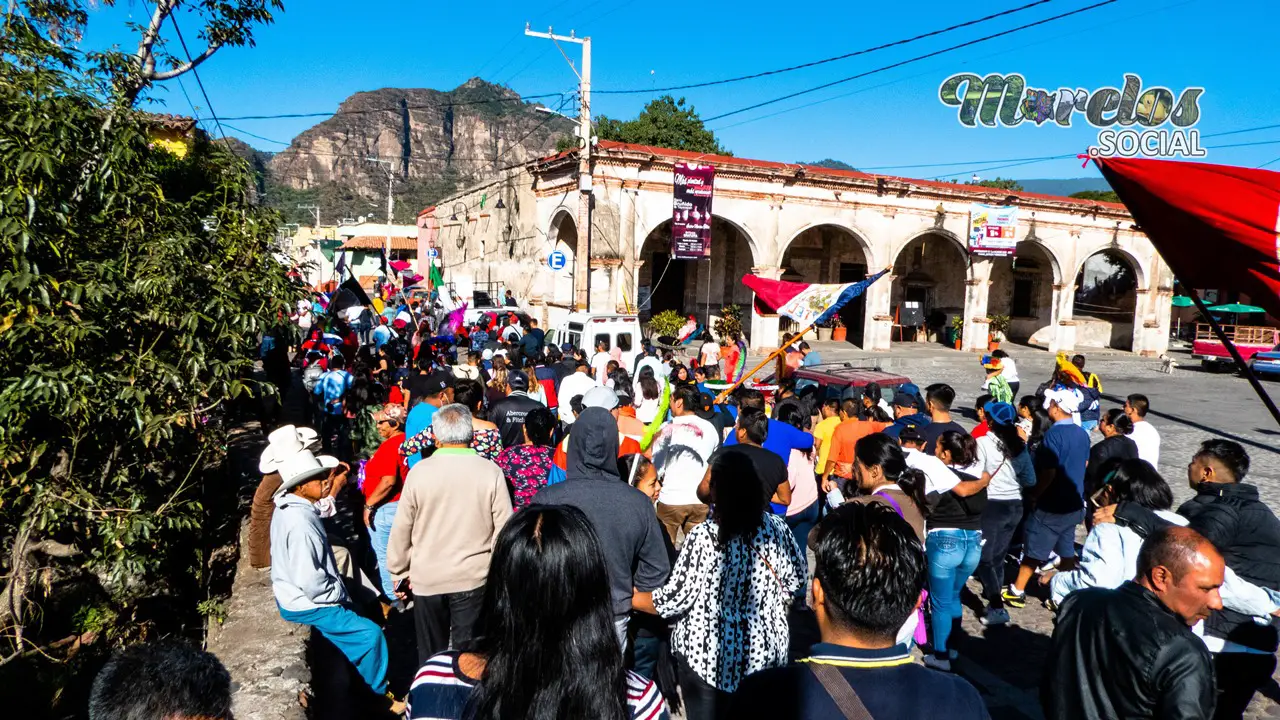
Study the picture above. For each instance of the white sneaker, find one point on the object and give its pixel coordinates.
(937, 663)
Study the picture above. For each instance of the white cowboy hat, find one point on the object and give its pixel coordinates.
(284, 441)
(303, 466)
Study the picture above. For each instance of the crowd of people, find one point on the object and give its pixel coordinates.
(575, 538)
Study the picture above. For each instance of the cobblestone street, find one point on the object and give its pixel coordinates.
(1188, 407)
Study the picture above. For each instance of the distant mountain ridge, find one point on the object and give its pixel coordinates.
(1063, 187)
(438, 141)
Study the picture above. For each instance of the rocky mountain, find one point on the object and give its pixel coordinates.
(438, 142)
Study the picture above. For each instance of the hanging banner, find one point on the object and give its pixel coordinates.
(691, 211)
(993, 230)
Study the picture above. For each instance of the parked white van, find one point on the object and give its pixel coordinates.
(585, 329)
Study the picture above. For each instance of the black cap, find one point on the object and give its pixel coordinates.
(517, 381)
(436, 383)
(911, 434)
(901, 399)
(706, 406)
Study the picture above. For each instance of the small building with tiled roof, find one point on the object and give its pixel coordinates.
(1081, 273)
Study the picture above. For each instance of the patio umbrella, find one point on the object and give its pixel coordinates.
(1236, 308)
(1182, 301)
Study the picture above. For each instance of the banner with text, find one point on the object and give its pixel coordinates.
(993, 230)
(691, 211)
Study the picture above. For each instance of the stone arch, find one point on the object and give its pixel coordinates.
(697, 287)
(832, 252)
(1023, 288)
(1105, 299)
(1132, 260)
(930, 273)
(855, 232)
(562, 234)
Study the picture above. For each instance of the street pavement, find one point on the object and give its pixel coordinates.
(1188, 407)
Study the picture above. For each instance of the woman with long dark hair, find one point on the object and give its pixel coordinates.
(547, 646)
(953, 515)
(650, 395)
(527, 466)
(730, 590)
(1002, 456)
(1116, 445)
(882, 475)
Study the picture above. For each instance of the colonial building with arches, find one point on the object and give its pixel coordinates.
(1082, 275)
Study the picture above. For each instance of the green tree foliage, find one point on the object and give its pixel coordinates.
(134, 286)
(999, 184)
(1097, 195)
(831, 164)
(665, 122)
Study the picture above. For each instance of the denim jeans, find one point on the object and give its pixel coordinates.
(999, 519)
(953, 555)
(379, 537)
(801, 523)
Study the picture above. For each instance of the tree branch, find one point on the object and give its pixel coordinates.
(186, 67)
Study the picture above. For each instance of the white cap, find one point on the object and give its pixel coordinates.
(601, 397)
(1068, 400)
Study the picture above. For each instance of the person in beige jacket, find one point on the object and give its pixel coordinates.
(452, 507)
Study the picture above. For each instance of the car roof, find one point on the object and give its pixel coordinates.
(844, 374)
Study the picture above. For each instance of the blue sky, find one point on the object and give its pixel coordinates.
(320, 51)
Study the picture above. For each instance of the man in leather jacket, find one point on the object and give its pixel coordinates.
(1229, 513)
(1129, 652)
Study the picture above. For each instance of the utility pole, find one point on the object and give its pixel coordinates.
(391, 178)
(582, 254)
(315, 212)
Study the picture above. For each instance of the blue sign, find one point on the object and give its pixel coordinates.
(556, 261)
(433, 253)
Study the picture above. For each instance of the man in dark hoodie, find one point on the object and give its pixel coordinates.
(623, 517)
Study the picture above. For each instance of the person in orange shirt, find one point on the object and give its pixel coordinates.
(839, 467)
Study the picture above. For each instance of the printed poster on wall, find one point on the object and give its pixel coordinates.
(691, 211)
(993, 230)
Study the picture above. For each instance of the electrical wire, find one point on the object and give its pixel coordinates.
(195, 72)
(824, 61)
(910, 61)
(423, 106)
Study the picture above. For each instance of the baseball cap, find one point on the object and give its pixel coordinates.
(391, 411)
(1000, 413)
(706, 406)
(486, 354)
(901, 399)
(1068, 400)
(517, 381)
(566, 347)
(434, 384)
(601, 397)
(911, 434)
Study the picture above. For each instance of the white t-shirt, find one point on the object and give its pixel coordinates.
(511, 333)
(1004, 481)
(938, 477)
(1147, 438)
(600, 365)
(710, 353)
(680, 452)
(1010, 370)
(574, 385)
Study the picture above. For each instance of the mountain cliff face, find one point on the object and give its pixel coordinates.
(438, 142)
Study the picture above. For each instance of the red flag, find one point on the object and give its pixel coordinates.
(1217, 226)
(806, 303)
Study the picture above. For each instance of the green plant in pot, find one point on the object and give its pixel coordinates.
(999, 327)
(729, 322)
(666, 324)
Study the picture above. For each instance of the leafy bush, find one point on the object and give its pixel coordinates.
(729, 322)
(134, 285)
(667, 322)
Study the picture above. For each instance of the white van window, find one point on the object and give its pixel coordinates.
(601, 338)
(624, 342)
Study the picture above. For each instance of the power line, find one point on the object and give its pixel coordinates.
(909, 61)
(196, 73)
(824, 61)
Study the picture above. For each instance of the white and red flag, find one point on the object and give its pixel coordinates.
(806, 303)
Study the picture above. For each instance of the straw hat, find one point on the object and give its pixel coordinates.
(285, 441)
(303, 466)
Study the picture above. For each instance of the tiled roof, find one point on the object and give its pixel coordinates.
(607, 145)
(374, 242)
(168, 121)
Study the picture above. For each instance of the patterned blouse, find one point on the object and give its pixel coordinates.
(732, 602)
(525, 468)
(487, 443)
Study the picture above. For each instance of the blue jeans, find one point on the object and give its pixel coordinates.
(953, 555)
(379, 536)
(355, 637)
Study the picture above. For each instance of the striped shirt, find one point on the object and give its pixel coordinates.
(440, 691)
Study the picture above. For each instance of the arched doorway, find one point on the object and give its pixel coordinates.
(1022, 289)
(694, 287)
(1106, 298)
(928, 287)
(830, 254)
(564, 236)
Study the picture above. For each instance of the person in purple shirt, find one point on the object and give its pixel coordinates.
(782, 437)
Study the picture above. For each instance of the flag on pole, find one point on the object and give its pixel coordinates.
(341, 265)
(1217, 226)
(806, 303)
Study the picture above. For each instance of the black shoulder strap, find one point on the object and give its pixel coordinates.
(841, 692)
